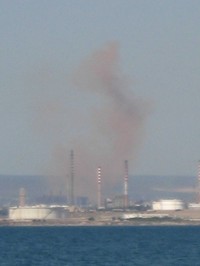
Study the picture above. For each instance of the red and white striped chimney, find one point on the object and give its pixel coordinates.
(99, 187)
(126, 184)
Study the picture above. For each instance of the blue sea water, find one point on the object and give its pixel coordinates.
(100, 246)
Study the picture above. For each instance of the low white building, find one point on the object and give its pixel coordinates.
(128, 216)
(194, 206)
(167, 205)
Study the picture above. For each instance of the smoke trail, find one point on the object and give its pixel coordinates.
(119, 117)
(100, 119)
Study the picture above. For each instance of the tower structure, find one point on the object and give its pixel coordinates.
(198, 180)
(126, 184)
(99, 187)
(22, 195)
(71, 177)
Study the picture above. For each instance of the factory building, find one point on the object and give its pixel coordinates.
(118, 202)
(167, 205)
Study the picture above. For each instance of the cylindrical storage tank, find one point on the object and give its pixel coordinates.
(173, 205)
(168, 205)
(34, 213)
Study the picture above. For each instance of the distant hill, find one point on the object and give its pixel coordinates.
(140, 188)
(11, 184)
(156, 187)
(149, 187)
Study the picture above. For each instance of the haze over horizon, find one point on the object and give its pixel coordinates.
(45, 112)
(141, 188)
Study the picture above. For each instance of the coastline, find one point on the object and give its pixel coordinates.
(111, 218)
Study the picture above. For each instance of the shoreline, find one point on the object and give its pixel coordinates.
(95, 224)
(109, 218)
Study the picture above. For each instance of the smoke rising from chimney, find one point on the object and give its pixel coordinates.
(103, 124)
(119, 118)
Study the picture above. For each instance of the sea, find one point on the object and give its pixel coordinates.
(100, 245)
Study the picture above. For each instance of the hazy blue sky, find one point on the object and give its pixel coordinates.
(42, 42)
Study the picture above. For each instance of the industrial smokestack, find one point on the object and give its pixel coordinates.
(22, 196)
(72, 177)
(99, 187)
(126, 184)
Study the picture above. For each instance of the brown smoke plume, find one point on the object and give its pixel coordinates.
(117, 116)
(100, 119)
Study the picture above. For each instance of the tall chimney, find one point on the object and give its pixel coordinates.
(198, 180)
(126, 184)
(99, 187)
(72, 177)
(22, 196)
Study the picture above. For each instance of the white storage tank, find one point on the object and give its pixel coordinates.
(35, 213)
(168, 205)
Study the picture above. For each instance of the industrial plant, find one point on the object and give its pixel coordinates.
(119, 209)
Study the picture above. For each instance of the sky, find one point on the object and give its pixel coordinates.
(51, 102)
